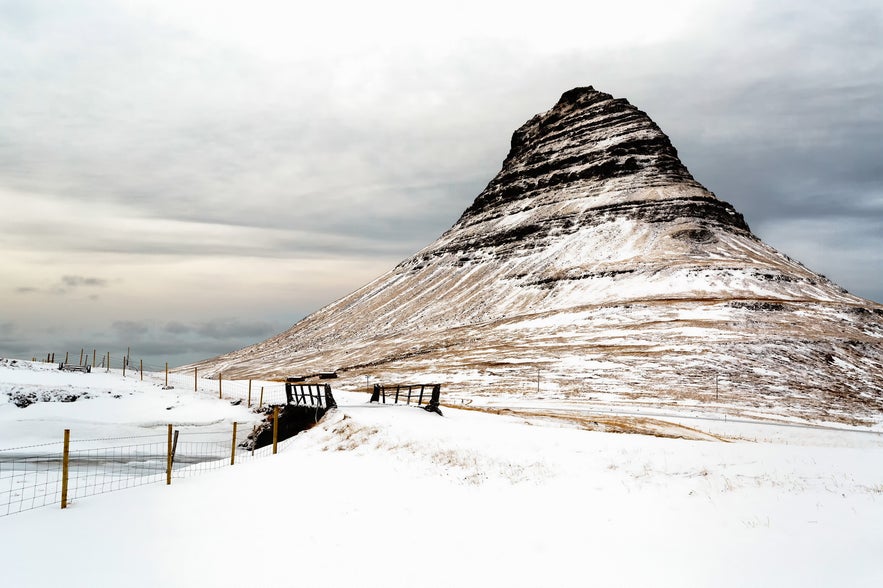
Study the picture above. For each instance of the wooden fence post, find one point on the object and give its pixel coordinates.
(65, 462)
(261, 403)
(275, 427)
(65, 357)
(167, 374)
(169, 458)
(220, 377)
(249, 394)
(81, 356)
(107, 365)
(125, 361)
(233, 447)
(142, 370)
(195, 378)
(94, 356)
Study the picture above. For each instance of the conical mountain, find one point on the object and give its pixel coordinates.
(594, 258)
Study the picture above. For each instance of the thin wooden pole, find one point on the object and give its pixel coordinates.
(142, 370)
(195, 377)
(167, 374)
(81, 356)
(65, 462)
(220, 377)
(94, 357)
(275, 427)
(233, 447)
(65, 357)
(169, 458)
(261, 404)
(107, 365)
(249, 394)
(125, 361)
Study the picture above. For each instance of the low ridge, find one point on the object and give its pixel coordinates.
(596, 258)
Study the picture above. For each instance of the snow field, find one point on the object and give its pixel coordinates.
(395, 496)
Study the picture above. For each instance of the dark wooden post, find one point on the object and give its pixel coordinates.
(329, 399)
(65, 461)
(275, 427)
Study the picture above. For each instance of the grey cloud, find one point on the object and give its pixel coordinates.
(69, 283)
(181, 343)
(225, 329)
(130, 329)
(75, 281)
(177, 328)
(176, 343)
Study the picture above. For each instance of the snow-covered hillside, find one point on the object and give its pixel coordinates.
(595, 258)
(396, 496)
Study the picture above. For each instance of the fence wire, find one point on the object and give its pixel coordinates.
(31, 476)
(28, 481)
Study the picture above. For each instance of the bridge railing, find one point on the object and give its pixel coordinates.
(426, 396)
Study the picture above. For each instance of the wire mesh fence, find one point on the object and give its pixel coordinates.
(40, 475)
(33, 476)
(29, 477)
(106, 469)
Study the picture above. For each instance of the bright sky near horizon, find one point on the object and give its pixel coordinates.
(190, 177)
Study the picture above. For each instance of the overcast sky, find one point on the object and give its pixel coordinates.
(189, 177)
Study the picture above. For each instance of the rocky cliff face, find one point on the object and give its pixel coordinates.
(595, 258)
(587, 161)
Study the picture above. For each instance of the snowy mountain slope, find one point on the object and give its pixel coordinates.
(595, 257)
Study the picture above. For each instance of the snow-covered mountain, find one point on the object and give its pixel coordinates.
(595, 259)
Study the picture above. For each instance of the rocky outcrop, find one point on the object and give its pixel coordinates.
(595, 257)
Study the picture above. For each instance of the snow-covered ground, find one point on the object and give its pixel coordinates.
(395, 496)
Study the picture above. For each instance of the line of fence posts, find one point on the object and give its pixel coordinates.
(172, 434)
(168, 375)
(171, 445)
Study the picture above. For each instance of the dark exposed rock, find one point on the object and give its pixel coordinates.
(293, 419)
(22, 398)
(759, 306)
(701, 235)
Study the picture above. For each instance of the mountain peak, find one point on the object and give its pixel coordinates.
(596, 256)
(589, 159)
